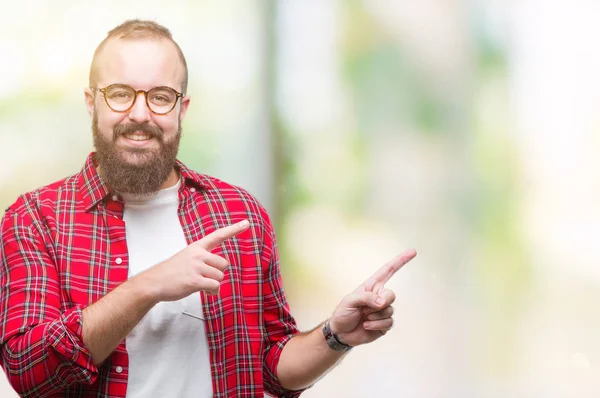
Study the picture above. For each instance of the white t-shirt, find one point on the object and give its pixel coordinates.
(168, 351)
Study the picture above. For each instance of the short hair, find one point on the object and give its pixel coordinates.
(138, 29)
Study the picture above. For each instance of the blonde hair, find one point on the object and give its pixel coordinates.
(138, 29)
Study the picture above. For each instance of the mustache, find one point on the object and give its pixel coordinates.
(130, 128)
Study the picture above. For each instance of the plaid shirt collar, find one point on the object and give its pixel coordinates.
(93, 190)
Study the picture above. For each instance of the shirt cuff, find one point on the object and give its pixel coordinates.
(65, 337)
(271, 380)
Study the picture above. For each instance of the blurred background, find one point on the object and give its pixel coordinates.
(467, 129)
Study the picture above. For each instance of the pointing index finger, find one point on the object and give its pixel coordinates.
(220, 235)
(391, 267)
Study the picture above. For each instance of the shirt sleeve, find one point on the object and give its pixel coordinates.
(279, 323)
(41, 346)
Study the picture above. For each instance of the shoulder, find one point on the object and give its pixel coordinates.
(233, 194)
(230, 198)
(30, 206)
(215, 189)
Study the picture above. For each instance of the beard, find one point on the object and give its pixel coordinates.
(152, 167)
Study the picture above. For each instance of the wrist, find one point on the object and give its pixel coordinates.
(142, 287)
(335, 331)
(333, 340)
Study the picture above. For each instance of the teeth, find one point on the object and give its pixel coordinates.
(137, 137)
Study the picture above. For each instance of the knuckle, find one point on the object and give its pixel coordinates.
(197, 280)
(390, 297)
(198, 255)
(213, 287)
(196, 269)
(224, 262)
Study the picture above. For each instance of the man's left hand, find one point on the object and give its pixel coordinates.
(366, 314)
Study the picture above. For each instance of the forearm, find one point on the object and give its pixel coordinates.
(108, 321)
(64, 350)
(305, 359)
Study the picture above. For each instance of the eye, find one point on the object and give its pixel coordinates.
(120, 95)
(160, 98)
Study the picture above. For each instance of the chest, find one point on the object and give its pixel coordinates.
(95, 252)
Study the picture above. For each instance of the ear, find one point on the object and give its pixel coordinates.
(89, 100)
(185, 102)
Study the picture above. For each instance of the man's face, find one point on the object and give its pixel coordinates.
(136, 150)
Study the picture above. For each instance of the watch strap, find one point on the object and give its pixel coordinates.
(332, 340)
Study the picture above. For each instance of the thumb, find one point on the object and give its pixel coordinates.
(363, 299)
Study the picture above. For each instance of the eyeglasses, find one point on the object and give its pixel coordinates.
(121, 97)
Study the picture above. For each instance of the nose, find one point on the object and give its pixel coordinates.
(139, 112)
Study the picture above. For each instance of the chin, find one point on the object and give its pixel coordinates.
(137, 156)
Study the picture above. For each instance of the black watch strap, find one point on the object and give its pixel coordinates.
(332, 341)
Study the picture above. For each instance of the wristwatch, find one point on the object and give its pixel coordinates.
(332, 340)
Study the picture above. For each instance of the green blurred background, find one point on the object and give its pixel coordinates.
(465, 129)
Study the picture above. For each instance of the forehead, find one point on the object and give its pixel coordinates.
(140, 63)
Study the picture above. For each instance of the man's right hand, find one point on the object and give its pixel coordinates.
(193, 269)
(108, 321)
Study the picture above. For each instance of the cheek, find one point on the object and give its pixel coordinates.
(108, 120)
(168, 125)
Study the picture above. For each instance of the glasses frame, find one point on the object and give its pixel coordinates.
(137, 92)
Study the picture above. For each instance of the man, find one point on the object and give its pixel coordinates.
(139, 277)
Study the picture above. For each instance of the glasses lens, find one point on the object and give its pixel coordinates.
(162, 99)
(119, 97)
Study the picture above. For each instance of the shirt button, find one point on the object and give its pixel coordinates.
(118, 369)
(119, 260)
(115, 198)
(193, 189)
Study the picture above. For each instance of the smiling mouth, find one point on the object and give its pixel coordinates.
(137, 137)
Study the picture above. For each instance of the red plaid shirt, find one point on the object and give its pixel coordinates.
(63, 247)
